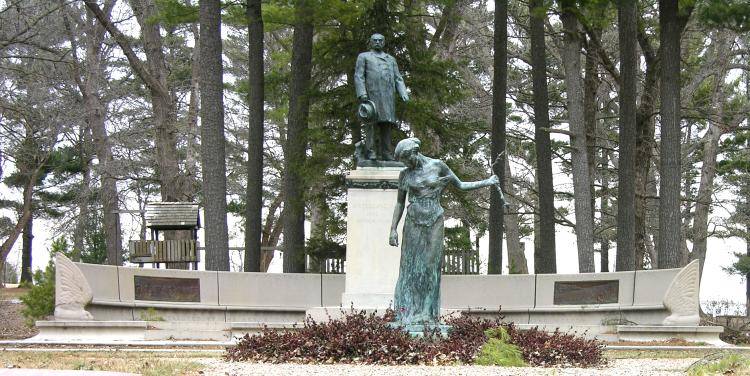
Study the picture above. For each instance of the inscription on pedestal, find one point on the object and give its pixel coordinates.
(167, 289)
(586, 292)
(372, 184)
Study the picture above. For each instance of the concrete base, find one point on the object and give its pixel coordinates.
(362, 300)
(600, 332)
(91, 330)
(324, 314)
(127, 331)
(418, 330)
(646, 333)
(371, 263)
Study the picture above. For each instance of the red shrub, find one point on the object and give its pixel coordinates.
(359, 337)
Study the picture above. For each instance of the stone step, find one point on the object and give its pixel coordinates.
(645, 333)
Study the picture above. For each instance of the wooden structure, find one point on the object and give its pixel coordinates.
(326, 263)
(465, 262)
(168, 216)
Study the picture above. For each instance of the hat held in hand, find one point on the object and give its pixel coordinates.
(367, 111)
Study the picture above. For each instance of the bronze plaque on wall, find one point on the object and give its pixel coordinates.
(167, 289)
(586, 292)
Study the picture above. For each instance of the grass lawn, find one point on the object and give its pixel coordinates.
(656, 354)
(145, 363)
(721, 364)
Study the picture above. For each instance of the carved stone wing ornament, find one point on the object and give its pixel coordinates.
(681, 298)
(72, 291)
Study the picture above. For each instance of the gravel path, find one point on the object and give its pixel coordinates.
(13, 325)
(624, 367)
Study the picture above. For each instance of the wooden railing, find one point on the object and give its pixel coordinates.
(163, 251)
(328, 265)
(461, 262)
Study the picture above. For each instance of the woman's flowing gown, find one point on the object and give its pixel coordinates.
(417, 297)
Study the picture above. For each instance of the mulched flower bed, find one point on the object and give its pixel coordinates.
(364, 338)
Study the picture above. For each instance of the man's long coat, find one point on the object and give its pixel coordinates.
(376, 74)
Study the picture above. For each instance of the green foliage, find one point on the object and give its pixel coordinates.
(175, 12)
(721, 364)
(320, 248)
(94, 242)
(457, 239)
(732, 14)
(150, 314)
(40, 300)
(740, 267)
(498, 351)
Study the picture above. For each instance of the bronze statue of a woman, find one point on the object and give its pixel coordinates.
(417, 297)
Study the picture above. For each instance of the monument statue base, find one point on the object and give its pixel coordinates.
(421, 330)
(371, 263)
(377, 163)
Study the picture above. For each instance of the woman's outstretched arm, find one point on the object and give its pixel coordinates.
(466, 185)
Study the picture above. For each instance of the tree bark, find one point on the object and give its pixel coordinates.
(716, 129)
(517, 263)
(173, 183)
(25, 215)
(499, 87)
(192, 152)
(746, 211)
(90, 83)
(26, 252)
(571, 58)
(213, 154)
(84, 195)
(605, 216)
(254, 194)
(644, 147)
(670, 148)
(545, 253)
(704, 199)
(590, 109)
(296, 140)
(627, 22)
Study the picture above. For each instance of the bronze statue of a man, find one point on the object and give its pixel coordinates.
(377, 79)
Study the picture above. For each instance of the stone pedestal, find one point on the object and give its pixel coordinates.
(371, 263)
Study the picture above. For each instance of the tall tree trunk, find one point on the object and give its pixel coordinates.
(605, 216)
(192, 152)
(28, 191)
(670, 148)
(686, 220)
(626, 234)
(213, 155)
(499, 87)
(747, 253)
(590, 109)
(84, 195)
(173, 185)
(704, 197)
(254, 194)
(516, 257)
(571, 58)
(644, 146)
(746, 210)
(705, 192)
(26, 252)
(545, 253)
(90, 82)
(296, 140)
(153, 72)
